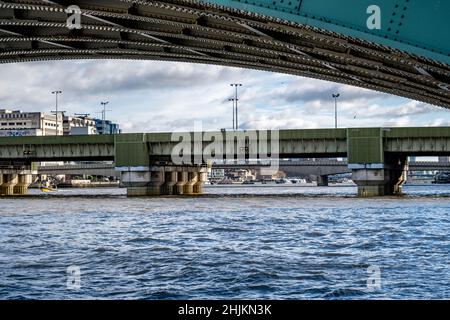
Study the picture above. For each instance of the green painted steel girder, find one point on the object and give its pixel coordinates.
(360, 145)
(55, 140)
(131, 150)
(57, 148)
(365, 145)
(419, 27)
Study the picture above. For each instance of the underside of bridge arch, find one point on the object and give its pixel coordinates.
(191, 31)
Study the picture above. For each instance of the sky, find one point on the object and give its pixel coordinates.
(149, 96)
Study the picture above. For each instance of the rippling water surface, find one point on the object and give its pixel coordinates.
(280, 242)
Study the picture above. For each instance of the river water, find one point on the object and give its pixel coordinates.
(262, 242)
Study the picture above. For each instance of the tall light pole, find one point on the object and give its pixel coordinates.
(335, 96)
(56, 107)
(56, 112)
(236, 85)
(104, 103)
(232, 100)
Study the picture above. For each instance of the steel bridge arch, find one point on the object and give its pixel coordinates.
(321, 39)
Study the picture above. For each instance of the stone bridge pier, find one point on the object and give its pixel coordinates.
(146, 176)
(164, 180)
(15, 181)
(322, 181)
(380, 179)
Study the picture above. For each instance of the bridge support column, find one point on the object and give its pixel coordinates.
(131, 154)
(181, 181)
(163, 180)
(188, 188)
(376, 172)
(196, 177)
(9, 181)
(170, 180)
(198, 186)
(23, 181)
(136, 180)
(322, 181)
(156, 181)
(380, 180)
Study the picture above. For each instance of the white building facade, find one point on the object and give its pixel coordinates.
(17, 123)
(77, 125)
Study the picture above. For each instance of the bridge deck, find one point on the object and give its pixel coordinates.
(362, 145)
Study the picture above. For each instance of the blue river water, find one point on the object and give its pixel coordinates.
(253, 242)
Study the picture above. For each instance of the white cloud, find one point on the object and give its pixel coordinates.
(167, 96)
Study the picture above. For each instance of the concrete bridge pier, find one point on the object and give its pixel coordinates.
(182, 179)
(143, 181)
(198, 186)
(188, 188)
(380, 179)
(322, 181)
(9, 181)
(157, 178)
(375, 171)
(170, 180)
(196, 177)
(136, 180)
(163, 180)
(398, 171)
(23, 182)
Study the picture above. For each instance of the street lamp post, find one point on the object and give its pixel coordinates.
(335, 96)
(56, 107)
(236, 85)
(232, 100)
(103, 103)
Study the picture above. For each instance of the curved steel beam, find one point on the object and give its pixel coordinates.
(419, 27)
(192, 31)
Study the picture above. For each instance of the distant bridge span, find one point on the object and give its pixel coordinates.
(324, 39)
(150, 163)
(292, 168)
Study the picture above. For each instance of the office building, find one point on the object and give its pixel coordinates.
(106, 127)
(77, 125)
(17, 123)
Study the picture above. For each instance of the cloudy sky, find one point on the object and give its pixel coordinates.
(146, 96)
